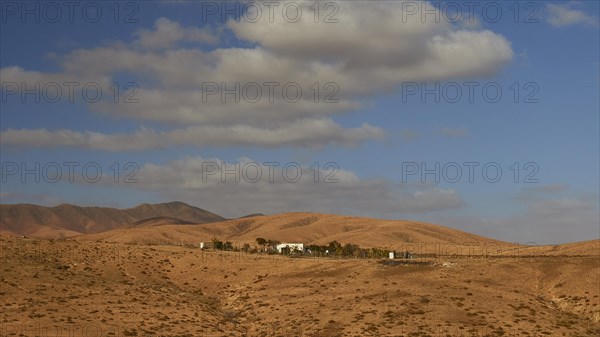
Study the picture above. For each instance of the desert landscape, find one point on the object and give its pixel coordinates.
(147, 276)
(320, 168)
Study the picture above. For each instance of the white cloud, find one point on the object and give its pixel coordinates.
(368, 52)
(303, 133)
(167, 33)
(192, 180)
(376, 39)
(565, 15)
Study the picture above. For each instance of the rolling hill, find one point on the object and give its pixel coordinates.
(309, 228)
(177, 223)
(69, 220)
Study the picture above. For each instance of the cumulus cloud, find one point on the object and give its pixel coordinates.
(306, 133)
(566, 15)
(369, 51)
(166, 33)
(212, 183)
(248, 186)
(374, 34)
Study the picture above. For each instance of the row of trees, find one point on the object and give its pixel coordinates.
(267, 244)
(228, 246)
(220, 245)
(334, 248)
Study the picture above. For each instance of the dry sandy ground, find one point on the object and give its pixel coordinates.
(76, 288)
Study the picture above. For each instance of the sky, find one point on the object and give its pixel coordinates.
(481, 116)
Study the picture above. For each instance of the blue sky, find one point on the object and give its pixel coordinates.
(370, 53)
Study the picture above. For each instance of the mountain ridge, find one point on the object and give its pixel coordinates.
(177, 222)
(309, 228)
(67, 220)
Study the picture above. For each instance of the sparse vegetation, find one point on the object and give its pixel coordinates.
(230, 291)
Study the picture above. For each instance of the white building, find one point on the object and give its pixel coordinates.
(291, 246)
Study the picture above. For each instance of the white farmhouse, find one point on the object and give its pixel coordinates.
(291, 246)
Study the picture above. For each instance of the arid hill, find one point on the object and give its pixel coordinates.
(309, 228)
(314, 228)
(150, 279)
(177, 223)
(583, 248)
(160, 221)
(70, 220)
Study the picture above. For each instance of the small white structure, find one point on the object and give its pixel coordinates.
(391, 255)
(201, 245)
(290, 246)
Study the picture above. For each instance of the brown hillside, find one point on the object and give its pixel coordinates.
(309, 228)
(160, 221)
(591, 247)
(70, 220)
(74, 288)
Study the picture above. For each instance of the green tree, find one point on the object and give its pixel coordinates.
(273, 243)
(261, 242)
(335, 247)
(350, 249)
(217, 244)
